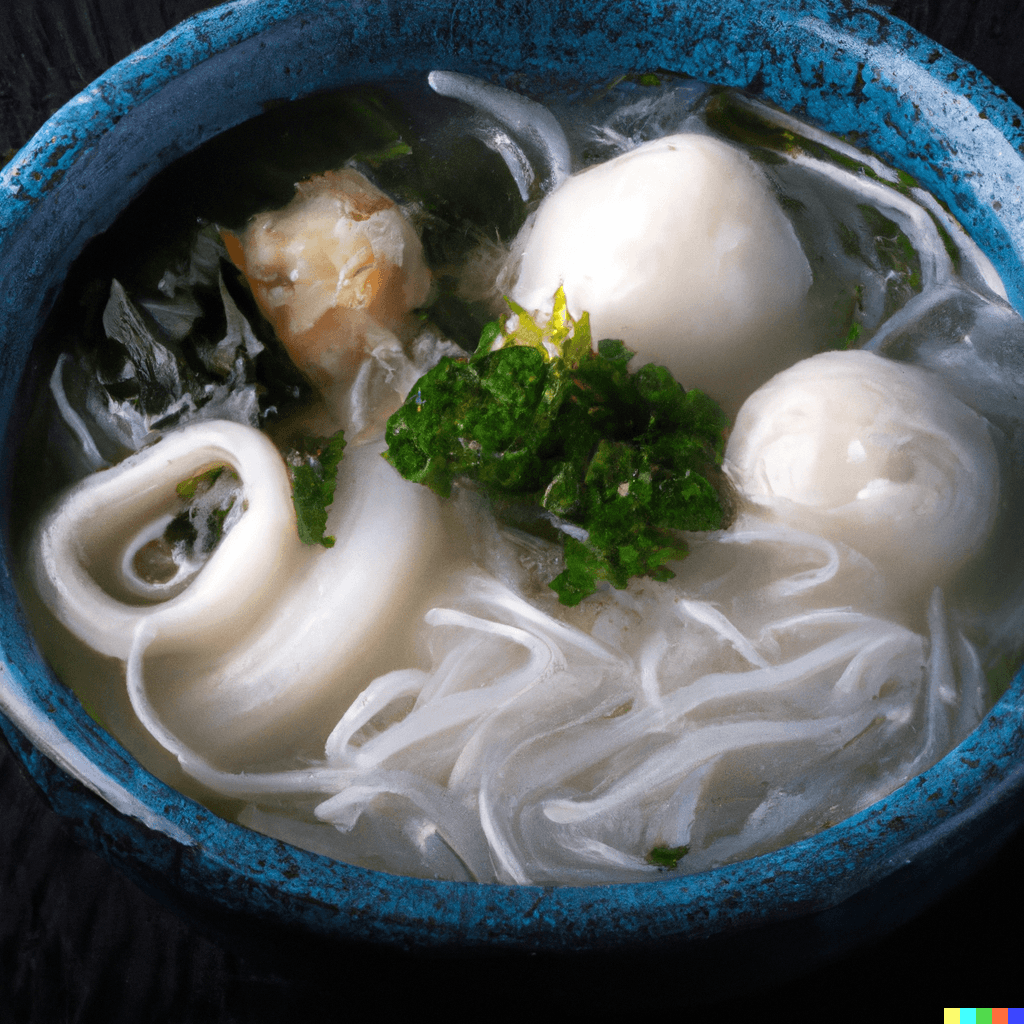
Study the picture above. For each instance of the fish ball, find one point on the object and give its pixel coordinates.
(679, 249)
(873, 453)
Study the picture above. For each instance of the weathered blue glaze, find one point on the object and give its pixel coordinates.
(850, 70)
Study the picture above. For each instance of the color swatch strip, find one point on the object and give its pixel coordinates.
(983, 1015)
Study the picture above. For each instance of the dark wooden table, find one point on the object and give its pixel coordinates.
(79, 942)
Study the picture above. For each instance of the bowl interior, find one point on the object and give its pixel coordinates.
(859, 74)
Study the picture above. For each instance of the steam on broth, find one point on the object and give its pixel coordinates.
(407, 692)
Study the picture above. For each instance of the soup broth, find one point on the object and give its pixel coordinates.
(403, 689)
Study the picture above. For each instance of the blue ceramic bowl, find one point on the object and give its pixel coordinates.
(849, 70)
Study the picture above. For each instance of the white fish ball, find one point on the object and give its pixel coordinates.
(679, 249)
(874, 453)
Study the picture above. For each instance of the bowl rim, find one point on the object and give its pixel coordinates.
(874, 58)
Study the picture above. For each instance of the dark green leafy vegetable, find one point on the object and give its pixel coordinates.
(216, 523)
(314, 472)
(201, 481)
(202, 522)
(667, 856)
(615, 460)
(192, 535)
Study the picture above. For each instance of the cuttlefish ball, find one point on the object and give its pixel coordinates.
(679, 249)
(874, 453)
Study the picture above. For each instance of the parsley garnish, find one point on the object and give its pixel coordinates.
(615, 460)
(314, 472)
(667, 856)
(199, 483)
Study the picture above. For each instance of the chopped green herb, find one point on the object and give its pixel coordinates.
(187, 489)
(314, 473)
(197, 529)
(667, 856)
(393, 151)
(614, 460)
(561, 336)
(181, 530)
(947, 242)
(906, 180)
(215, 524)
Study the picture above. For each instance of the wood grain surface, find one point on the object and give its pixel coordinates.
(79, 942)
